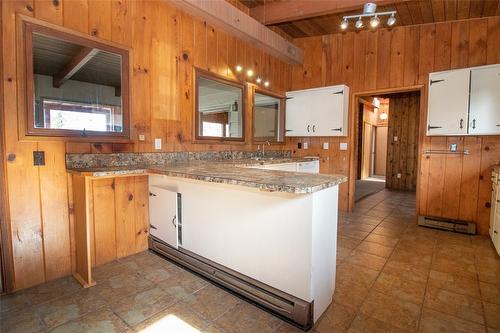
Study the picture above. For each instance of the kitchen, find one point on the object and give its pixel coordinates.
(201, 121)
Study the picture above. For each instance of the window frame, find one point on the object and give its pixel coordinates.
(27, 130)
(281, 121)
(200, 73)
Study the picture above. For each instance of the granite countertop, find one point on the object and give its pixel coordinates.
(234, 172)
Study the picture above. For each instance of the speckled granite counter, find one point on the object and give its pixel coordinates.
(233, 171)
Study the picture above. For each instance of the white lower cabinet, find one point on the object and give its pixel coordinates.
(307, 167)
(164, 215)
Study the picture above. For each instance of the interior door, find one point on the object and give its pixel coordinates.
(164, 214)
(448, 105)
(367, 150)
(380, 150)
(484, 115)
(298, 114)
(329, 116)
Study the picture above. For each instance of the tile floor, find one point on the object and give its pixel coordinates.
(392, 276)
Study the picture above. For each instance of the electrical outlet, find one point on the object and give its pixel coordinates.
(398, 175)
(395, 139)
(158, 143)
(326, 145)
(306, 145)
(142, 137)
(299, 145)
(453, 147)
(343, 146)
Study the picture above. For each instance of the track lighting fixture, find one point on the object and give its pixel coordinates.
(374, 22)
(369, 10)
(359, 23)
(344, 24)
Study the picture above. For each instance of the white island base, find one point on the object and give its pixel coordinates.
(276, 248)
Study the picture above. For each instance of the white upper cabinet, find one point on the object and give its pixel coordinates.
(448, 102)
(464, 102)
(317, 112)
(484, 116)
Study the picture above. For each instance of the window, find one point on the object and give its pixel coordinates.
(77, 86)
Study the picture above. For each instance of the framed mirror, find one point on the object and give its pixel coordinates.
(219, 108)
(75, 86)
(268, 117)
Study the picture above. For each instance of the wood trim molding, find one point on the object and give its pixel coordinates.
(292, 10)
(6, 259)
(281, 120)
(27, 132)
(229, 18)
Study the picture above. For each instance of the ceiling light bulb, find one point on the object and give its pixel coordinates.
(266, 83)
(249, 73)
(239, 68)
(258, 80)
(359, 23)
(384, 115)
(374, 22)
(344, 24)
(391, 20)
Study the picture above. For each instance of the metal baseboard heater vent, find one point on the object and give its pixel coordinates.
(285, 305)
(463, 227)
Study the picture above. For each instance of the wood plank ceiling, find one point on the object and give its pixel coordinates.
(408, 13)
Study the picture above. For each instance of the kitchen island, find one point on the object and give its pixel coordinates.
(268, 235)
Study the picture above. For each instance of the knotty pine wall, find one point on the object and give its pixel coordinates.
(367, 61)
(166, 44)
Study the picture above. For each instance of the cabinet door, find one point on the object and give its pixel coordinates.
(484, 115)
(163, 215)
(448, 102)
(330, 117)
(298, 113)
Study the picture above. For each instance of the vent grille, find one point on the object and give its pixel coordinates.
(463, 227)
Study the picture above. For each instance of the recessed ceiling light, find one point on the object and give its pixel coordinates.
(249, 73)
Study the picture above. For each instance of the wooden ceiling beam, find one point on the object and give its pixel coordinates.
(227, 17)
(292, 10)
(73, 66)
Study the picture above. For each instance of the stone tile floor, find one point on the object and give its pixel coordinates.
(392, 276)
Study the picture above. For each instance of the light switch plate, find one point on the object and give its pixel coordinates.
(142, 137)
(158, 143)
(395, 139)
(398, 175)
(326, 145)
(343, 146)
(305, 145)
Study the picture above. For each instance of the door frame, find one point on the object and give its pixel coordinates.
(353, 138)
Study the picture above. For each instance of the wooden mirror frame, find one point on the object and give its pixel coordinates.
(25, 28)
(282, 98)
(215, 77)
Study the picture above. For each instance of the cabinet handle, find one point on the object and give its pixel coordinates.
(473, 123)
(429, 127)
(288, 130)
(461, 123)
(337, 129)
(435, 81)
(173, 221)
(314, 128)
(308, 128)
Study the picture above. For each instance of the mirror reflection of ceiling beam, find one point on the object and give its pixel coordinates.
(73, 66)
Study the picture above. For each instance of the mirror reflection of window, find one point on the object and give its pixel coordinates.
(219, 109)
(76, 87)
(268, 118)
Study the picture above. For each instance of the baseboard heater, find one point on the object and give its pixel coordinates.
(285, 305)
(447, 224)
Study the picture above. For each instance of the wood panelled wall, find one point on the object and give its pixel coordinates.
(382, 60)
(402, 155)
(166, 44)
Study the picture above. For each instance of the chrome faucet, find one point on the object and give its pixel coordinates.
(263, 153)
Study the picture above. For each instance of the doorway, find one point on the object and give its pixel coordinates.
(387, 142)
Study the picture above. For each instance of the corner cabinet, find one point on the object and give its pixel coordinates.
(464, 102)
(317, 112)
